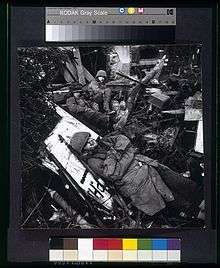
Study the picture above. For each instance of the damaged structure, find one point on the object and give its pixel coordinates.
(126, 148)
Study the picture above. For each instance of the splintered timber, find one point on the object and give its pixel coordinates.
(112, 136)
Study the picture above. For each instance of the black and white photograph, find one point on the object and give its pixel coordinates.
(111, 137)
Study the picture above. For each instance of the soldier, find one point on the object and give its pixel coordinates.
(99, 93)
(148, 184)
(81, 106)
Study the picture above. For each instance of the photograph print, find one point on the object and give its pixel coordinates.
(111, 137)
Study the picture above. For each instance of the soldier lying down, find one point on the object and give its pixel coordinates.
(148, 184)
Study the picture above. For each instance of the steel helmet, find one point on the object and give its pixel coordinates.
(101, 73)
(79, 140)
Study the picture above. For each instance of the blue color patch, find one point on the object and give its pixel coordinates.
(159, 244)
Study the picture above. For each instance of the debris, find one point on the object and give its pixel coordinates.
(155, 100)
(201, 214)
(159, 100)
(60, 201)
(177, 111)
(58, 215)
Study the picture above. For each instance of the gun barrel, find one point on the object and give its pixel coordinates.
(130, 78)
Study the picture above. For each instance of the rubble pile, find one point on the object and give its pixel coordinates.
(152, 97)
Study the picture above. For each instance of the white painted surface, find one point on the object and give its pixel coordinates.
(199, 138)
(67, 126)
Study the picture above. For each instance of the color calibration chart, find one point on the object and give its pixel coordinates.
(67, 24)
(114, 250)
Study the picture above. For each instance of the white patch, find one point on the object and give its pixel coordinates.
(67, 126)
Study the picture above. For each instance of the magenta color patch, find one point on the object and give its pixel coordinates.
(174, 244)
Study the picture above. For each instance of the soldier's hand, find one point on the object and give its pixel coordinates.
(111, 113)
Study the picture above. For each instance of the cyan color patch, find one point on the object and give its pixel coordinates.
(159, 244)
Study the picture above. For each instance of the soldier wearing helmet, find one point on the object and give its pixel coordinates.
(101, 76)
(99, 93)
(92, 108)
(149, 185)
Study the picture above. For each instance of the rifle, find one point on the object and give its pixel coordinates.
(130, 78)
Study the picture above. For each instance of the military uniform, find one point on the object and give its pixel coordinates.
(87, 110)
(135, 176)
(100, 94)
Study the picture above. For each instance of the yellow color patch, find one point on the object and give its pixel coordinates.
(131, 10)
(130, 244)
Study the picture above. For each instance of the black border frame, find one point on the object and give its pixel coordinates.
(4, 115)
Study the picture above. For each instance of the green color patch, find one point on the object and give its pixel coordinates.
(144, 244)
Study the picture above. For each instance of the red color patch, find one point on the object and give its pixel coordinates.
(100, 243)
(115, 244)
